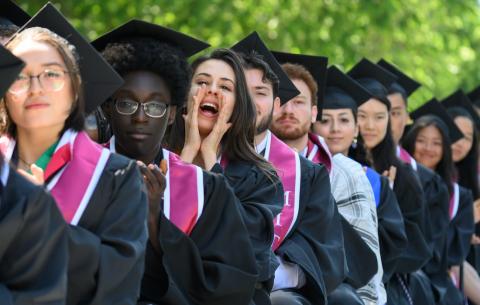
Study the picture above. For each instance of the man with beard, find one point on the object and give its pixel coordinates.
(350, 186)
(308, 241)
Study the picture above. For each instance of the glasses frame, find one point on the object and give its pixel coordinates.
(30, 77)
(144, 106)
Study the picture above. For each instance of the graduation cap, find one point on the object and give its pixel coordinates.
(434, 107)
(367, 69)
(139, 28)
(316, 65)
(10, 67)
(12, 14)
(405, 82)
(474, 96)
(253, 43)
(461, 100)
(342, 91)
(99, 79)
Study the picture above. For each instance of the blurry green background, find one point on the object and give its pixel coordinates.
(435, 41)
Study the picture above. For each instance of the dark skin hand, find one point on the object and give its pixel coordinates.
(155, 181)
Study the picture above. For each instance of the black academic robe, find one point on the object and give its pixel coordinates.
(315, 242)
(391, 230)
(107, 247)
(261, 198)
(214, 264)
(33, 247)
(460, 229)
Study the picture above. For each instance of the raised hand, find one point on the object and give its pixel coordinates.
(192, 135)
(210, 145)
(391, 174)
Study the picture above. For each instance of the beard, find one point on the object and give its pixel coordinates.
(264, 124)
(291, 133)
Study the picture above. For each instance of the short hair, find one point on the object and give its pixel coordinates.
(143, 53)
(254, 60)
(69, 55)
(7, 31)
(296, 71)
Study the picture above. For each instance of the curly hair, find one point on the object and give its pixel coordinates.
(163, 59)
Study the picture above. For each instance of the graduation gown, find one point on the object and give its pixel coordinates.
(213, 264)
(262, 199)
(391, 229)
(111, 230)
(316, 242)
(34, 245)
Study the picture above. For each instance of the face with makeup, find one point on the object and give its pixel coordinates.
(293, 120)
(140, 133)
(338, 128)
(399, 115)
(40, 105)
(261, 92)
(372, 119)
(462, 147)
(428, 147)
(219, 80)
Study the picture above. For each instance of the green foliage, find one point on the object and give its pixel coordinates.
(435, 41)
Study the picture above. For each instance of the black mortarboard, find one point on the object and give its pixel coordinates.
(99, 79)
(367, 69)
(461, 100)
(139, 28)
(474, 96)
(405, 82)
(434, 107)
(12, 14)
(316, 65)
(10, 67)
(253, 43)
(342, 91)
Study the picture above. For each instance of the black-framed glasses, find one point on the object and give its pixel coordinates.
(51, 80)
(128, 106)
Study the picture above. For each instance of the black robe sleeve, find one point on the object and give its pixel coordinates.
(391, 229)
(315, 243)
(411, 200)
(33, 247)
(260, 199)
(460, 229)
(214, 265)
(107, 247)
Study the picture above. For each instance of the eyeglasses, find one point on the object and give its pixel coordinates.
(128, 106)
(50, 81)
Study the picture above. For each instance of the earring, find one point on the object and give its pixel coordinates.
(354, 143)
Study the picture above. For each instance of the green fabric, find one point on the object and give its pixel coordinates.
(44, 159)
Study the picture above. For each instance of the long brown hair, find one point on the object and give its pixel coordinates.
(238, 143)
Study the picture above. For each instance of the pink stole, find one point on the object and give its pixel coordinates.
(287, 164)
(183, 198)
(454, 201)
(317, 151)
(75, 169)
(403, 155)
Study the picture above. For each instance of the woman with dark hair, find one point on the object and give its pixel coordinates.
(376, 148)
(98, 193)
(193, 216)
(34, 237)
(429, 142)
(217, 133)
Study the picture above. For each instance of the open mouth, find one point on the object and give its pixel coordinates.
(209, 109)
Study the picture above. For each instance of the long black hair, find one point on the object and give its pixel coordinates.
(466, 169)
(238, 142)
(445, 167)
(382, 156)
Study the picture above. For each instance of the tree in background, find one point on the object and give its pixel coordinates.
(435, 41)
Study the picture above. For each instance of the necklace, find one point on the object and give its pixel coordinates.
(27, 164)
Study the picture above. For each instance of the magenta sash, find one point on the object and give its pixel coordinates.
(454, 201)
(75, 168)
(317, 151)
(183, 197)
(403, 155)
(287, 164)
